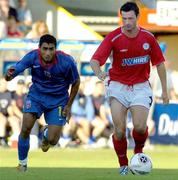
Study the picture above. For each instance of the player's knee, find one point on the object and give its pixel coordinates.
(120, 134)
(140, 129)
(25, 132)
(26, 129)
(53, 141)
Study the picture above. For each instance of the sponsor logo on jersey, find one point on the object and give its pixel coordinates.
(146, 46)
(47, 74)
(135, 60)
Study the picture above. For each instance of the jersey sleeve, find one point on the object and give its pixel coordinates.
(23, 64)
(103, 51)
(72, 74)
(156, 53)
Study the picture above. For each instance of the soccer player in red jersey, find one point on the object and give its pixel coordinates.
(133, 49)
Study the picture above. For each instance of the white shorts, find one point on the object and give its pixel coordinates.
(138, 94)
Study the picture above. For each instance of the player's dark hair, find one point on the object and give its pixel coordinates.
(47, 38)
(130, 6)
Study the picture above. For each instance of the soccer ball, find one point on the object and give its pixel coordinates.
(140, 164)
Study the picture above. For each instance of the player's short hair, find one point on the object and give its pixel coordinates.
(130, 6)
(47, 38)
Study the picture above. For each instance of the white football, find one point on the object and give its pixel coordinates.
(140, 164)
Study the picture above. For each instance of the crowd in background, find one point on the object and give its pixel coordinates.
(90, 125)
(91, 121)
(17, 22)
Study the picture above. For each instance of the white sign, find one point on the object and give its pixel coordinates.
(167, 13)
(166, 126)
(69, 28)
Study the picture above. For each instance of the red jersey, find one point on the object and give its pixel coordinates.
(131, 56)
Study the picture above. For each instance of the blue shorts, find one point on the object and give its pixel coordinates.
(53, 116)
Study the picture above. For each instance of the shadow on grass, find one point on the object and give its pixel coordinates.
(81, 174)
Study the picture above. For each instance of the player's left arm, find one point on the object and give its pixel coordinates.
(162, 75)
(158, 59)
(73, 92)
(73, 78)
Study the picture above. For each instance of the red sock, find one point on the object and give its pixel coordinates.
(120, 147)
(139, 140)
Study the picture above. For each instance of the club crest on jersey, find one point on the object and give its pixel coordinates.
(47, 74)
(28, 104)
(146, 46)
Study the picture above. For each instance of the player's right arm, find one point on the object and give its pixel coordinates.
(97, 70)
(100, 56)
(9, 74)
(19, 67)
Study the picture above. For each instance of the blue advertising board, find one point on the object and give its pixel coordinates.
(166, 124)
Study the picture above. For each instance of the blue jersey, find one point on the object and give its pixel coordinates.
(50, 82)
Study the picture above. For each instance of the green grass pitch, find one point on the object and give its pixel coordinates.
(85, 164)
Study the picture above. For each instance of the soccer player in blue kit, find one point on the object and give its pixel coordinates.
(53, 73)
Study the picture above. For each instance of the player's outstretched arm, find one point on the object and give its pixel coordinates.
(9, 74)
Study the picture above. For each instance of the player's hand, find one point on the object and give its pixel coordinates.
(102, 75)
(67, 113)
(9, 74)
(165, 98)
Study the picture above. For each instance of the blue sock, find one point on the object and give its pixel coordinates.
(92, 139)
(66, 136)
(23, 148)
(45, 133)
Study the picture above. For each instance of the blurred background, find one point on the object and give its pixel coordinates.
(79, 27)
